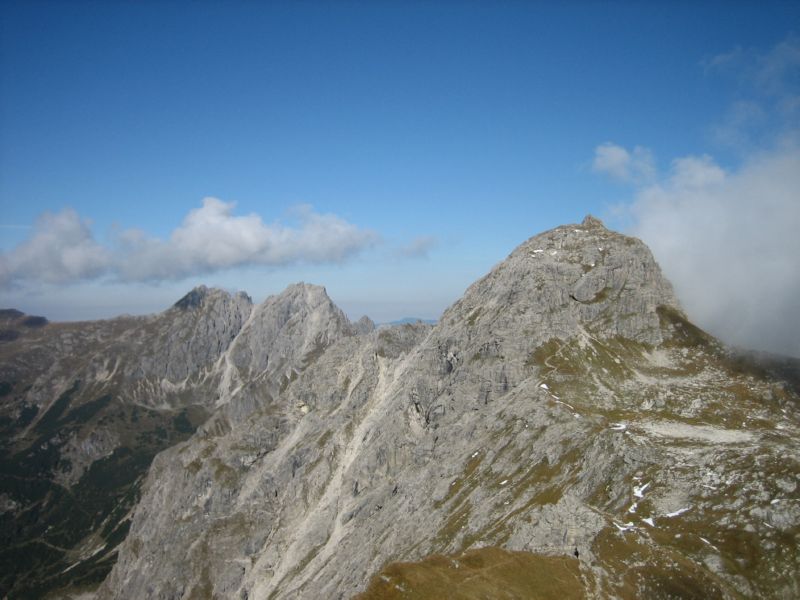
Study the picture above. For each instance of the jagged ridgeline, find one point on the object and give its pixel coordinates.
(563, 431)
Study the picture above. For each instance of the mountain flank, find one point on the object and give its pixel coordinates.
(563, 429)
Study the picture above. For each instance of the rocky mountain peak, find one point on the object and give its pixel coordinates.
(566, 280)
(14, 323)
(564, 414)
(571, 284)
(309, 293)
(10, 314)
(201, 295)
(292, 322)
(297, 302)
(193, 299)
(364, 325)
(190, 335)
(592, 221)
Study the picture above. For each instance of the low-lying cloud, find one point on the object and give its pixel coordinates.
(728, 241)
(62, 249)
(419, 247)
(727, 237)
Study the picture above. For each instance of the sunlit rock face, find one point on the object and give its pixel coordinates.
(563, 416)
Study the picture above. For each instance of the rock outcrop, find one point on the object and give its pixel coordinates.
(564, 406)
(86, 406)
(564, 414)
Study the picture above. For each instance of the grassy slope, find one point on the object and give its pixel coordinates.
(478, 574)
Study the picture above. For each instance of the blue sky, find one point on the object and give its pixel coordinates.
(426, 139)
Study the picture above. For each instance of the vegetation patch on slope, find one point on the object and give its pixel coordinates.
(476, 574)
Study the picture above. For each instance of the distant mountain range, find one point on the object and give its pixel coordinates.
(408, 320)
(562, 431)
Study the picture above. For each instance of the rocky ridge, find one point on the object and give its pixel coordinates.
(564, 415)
(563, 407)
(79, 401)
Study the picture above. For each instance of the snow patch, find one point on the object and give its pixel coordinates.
(705, 433)
(709, 543)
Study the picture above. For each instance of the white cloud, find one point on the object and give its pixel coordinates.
(210, 238)
(419, 247)
(774, 70)
(768, 107)
(60, 249)
(724, 60)
(769, 72)
(693, 172)
(727, 238)
(740, 121)
(636, 166)
(728, 241)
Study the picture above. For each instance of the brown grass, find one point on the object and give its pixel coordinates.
(480, 574)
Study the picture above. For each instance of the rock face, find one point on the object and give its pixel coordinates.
(84, 407)
(564, 403)
(192, 334)
(563, 413)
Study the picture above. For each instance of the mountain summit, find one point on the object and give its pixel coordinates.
(563, 421)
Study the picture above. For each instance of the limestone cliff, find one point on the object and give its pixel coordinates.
(563, 416)
(84, 407)
(564, 406)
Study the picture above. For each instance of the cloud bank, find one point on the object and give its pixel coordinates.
(636, 166)
(728, 241)
(62, 249)
(728, 238)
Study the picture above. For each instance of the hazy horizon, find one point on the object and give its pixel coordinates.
(394, 153)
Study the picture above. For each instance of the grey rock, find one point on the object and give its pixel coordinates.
(89, 398)
(364, 325)
(565, 402)
(525, 418)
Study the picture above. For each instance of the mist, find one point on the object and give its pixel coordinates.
(729, 242)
